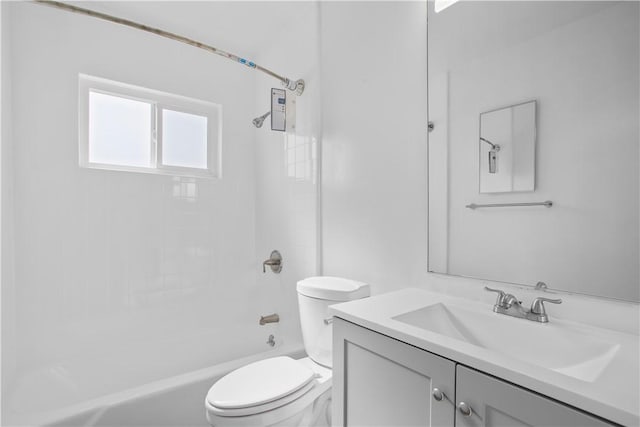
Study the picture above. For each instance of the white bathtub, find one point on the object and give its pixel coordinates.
(175, 401)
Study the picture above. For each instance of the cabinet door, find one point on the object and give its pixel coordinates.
(380, 381)
(494, 402)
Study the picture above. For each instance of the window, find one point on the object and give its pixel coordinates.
(130, 128)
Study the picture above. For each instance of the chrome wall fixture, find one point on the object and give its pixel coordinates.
(547, 203)
(296, 86)
(493, 155)
(541, 286)
(274, 262)
(258, 121)
(270, 318)
(271, 340)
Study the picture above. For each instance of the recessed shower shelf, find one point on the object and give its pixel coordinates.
(546, 203)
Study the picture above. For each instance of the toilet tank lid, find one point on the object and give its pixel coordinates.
(333, 288)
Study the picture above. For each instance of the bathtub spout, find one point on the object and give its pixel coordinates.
(271, 318)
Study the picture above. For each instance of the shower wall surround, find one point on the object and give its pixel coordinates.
(124, 278)
(286, 170)
(113, 266)
(7, 309)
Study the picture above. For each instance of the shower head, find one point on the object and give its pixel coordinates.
(258, 121)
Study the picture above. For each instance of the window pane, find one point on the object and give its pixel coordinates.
(119, 130)
(184, 139)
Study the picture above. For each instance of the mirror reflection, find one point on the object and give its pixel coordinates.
(580, 62)
(507, 149)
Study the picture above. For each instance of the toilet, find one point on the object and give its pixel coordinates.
(281, 391)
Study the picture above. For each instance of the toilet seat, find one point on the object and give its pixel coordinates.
(288, 406)
(260, 387)
(252, 410)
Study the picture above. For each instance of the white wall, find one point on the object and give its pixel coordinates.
(286, 169)
(7, 309)
(373, 59)
(122, 278)
(581, 64)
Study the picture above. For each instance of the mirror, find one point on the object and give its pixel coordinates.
(507, 149)
(580, 62)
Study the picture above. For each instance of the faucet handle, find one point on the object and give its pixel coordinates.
(274, 261)
(537, 306)
(501, 295)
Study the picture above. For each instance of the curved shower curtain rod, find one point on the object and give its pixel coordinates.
(296, 86)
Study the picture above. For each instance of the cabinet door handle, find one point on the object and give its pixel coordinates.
(465, 409)
(438, 395)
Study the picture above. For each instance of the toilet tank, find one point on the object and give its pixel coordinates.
(315, 295)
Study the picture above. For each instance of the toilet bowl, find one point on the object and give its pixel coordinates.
(281, 391)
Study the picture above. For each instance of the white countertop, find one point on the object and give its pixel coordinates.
(613, 395)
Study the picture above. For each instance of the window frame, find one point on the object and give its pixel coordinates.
(159, 101)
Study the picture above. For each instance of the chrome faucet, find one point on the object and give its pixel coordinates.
(509, 305)
(274, 261)
(271, 318)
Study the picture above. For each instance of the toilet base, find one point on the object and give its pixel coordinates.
(316, 415)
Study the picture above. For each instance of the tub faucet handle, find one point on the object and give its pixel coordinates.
(274, 261)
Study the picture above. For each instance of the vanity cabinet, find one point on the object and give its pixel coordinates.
(494, 402)
(380, 381)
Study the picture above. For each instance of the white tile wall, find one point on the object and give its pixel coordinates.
(7, 296)
(286, 169)
(124, 277)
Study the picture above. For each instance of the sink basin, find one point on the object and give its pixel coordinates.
(567, 349)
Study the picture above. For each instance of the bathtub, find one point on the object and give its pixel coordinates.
(175, 401)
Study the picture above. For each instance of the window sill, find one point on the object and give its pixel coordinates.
(180, 172)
